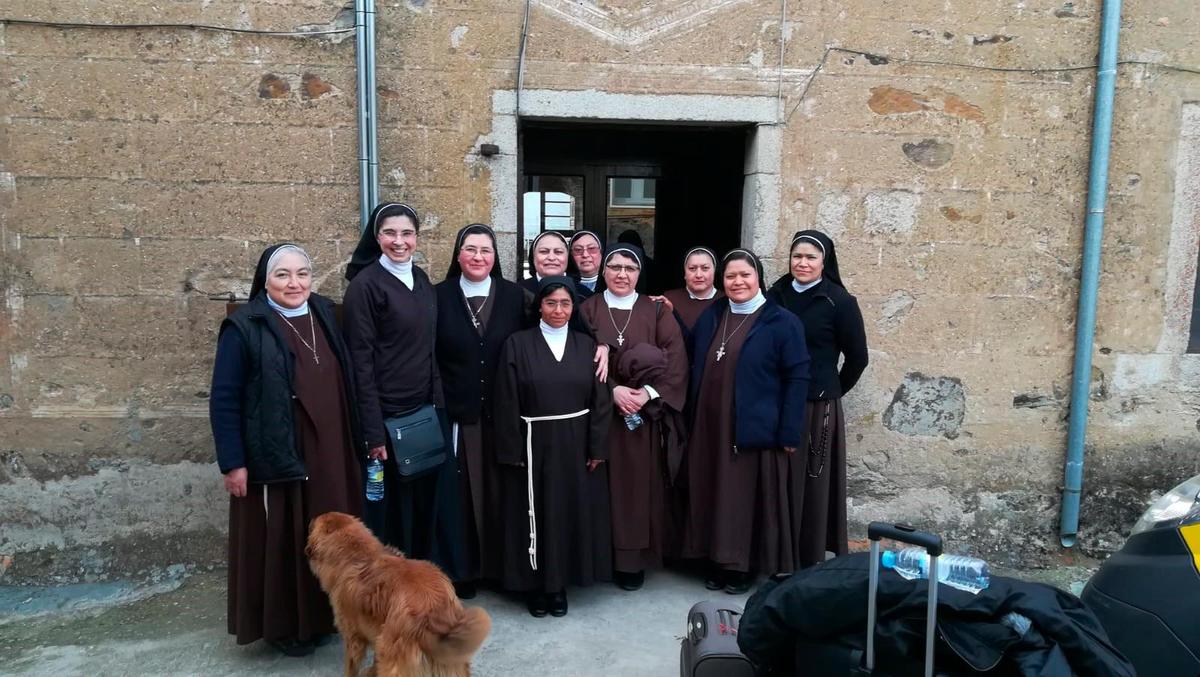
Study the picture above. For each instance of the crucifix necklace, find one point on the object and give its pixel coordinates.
(620, 330)
(475, 311)
(724, 338)
(312, 326)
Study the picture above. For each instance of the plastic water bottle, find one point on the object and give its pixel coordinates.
(633, 421)
(375, 480)
(959, 571)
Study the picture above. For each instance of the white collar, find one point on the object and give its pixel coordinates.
(749, 306)
(712, 291)
(288, 312)
(591, 279)
(556, 339)
(402, 271)
(620, 302)
(801, 288)
(472, 289)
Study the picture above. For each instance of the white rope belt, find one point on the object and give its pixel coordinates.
(529, 421)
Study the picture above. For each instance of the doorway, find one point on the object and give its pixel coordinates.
(675, 187)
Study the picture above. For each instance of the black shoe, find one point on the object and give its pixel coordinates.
(295, 648)
(558, 604)
(537, 604)
(628, 581)
(738, 582)
(715, 580)
(465, 589)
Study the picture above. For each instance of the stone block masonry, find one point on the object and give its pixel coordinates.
(142, 171)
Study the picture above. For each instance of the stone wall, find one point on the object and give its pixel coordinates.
(142, 171)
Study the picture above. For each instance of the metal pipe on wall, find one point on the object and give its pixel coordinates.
(1089, 278)
(372, 107)
(365, 203)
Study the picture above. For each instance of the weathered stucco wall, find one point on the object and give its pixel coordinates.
(142, 170)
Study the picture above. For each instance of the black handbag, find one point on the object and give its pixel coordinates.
(418, 443)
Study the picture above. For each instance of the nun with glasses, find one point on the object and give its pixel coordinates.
(551, 417)
(584, 266)
(390, 317)
(745, 478)
(548, 256)
(477, 310)
(833, 327)
(284, 427)
(638, 464)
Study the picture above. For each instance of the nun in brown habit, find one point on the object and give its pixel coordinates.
(477, 310)
(622, 318)
(284, 428)
(746, 477)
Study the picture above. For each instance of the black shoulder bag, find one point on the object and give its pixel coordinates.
(418, 442)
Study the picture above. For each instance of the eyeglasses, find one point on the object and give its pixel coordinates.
(616, 268)
(586, 250)
(477, 251)
(550, 304)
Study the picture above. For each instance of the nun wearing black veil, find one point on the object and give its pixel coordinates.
(284, 428)
(833, 329)
(477, 310)
(390, 321)
(552, 418)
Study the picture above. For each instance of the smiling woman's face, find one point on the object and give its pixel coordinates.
(290, 282)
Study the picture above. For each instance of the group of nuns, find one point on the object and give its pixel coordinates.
(596, 430)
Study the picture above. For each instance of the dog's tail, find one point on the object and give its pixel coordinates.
(460, 638)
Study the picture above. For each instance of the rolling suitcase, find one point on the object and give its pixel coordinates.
(812, 658)
(710, 649)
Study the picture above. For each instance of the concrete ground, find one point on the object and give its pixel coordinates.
(176, 626)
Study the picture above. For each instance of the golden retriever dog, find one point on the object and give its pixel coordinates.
(406, 608)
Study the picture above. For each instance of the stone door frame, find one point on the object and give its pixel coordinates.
(761, 167)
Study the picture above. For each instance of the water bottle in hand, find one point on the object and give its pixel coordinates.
(959, 571)
(375, 480)
(633, 421)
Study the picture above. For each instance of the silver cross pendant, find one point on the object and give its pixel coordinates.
(720, 352)
(620, 340)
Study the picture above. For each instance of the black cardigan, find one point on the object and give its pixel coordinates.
(833, 326)
(467, 360)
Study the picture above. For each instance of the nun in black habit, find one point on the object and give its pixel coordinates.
(477, 310)
(551, 419)
(390, 321)
(833, 330)
(548, 255)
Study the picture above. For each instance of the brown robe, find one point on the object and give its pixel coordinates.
(687, 308)
(824, 455)
(574, 535)
(744, 509)
(272, 592)
(637, 465)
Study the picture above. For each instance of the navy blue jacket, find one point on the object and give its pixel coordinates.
(251, 402)
(771, 384)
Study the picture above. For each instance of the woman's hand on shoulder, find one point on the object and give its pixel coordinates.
(235, 482)
(665, 301)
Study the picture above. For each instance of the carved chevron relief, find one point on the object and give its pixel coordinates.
(634, 22)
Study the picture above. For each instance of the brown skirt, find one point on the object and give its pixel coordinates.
(272, 593)
(823, 524)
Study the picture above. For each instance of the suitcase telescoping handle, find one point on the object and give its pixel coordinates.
(933, 545)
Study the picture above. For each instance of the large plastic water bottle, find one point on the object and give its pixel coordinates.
(375, 480)
(962, 572)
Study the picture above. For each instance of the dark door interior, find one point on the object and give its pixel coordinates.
(677, 187)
